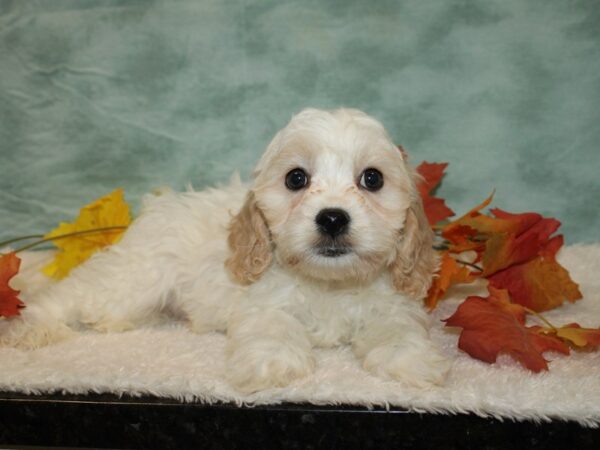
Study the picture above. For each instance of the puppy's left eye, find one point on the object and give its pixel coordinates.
(371, 179)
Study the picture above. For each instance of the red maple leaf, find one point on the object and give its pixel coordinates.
(435, 208)
(494, 325)
(9, 302)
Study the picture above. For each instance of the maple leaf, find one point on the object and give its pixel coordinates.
(578, 336)
(494, 325)
(574, 335)
(108, 211)
(529, 236)
(469, 231)
(9, 302)
(476, 224)
(503, 240)
(540, 283)
(522, 222)
(518, 254)
(435, 208)
(449, 273)
(473, 220)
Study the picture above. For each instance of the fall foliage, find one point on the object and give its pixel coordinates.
(574, 335)
(516, 254)
(106, 212)
(9, 301)
(495, 325)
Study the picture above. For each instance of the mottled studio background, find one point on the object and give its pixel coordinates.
(100, 94)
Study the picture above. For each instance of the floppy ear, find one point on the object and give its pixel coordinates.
(249, 242)
(416, 260)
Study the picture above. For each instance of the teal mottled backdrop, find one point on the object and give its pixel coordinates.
(99, 94)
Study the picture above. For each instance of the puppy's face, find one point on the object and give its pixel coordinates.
(334, 192)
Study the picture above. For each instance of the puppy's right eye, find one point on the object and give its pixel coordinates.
(296, 179)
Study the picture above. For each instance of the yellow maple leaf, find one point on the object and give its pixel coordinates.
(108, 211)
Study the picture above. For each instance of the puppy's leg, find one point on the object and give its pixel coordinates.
(114, 290)
(266, 349)
(35, 327)
(395, 344)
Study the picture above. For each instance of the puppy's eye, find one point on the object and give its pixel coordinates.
(296, 179)
(371, 179)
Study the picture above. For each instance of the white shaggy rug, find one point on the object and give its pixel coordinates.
(170, 361)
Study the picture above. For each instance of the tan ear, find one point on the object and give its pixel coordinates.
(249, 242)
(416, 260)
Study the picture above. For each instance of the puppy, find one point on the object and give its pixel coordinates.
(328, 247)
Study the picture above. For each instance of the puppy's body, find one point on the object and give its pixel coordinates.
(290, 286)
(170, 260)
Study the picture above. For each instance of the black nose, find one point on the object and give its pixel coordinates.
(333, 221)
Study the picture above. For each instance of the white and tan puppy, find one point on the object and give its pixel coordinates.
(328, 247)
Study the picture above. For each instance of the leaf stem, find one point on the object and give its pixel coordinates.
(539, 316)
(67, 235)
(474, 266)
(22, 238)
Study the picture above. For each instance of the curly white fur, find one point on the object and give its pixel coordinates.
(279, 297)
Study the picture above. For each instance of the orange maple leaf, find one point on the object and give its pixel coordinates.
(574, 334)
(9, 302)
(476, 224)
(449, 273)
(578, 336)
(470, 231)
(494, 325)
(435, 208)
(473, 219)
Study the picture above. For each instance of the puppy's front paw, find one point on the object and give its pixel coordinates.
(420, 365)
(267, 363)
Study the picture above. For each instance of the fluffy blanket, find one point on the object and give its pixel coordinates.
(170, 361)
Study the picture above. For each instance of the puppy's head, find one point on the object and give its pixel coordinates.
(334, 200)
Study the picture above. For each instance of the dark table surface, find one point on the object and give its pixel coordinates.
(109, 421)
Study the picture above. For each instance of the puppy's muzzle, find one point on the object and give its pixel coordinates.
(332, 222)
